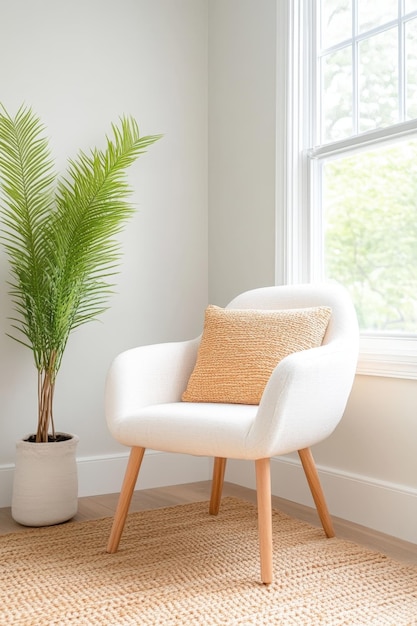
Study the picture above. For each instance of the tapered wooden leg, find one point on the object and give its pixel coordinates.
(217, 484)
(316, 490)
(129, 482)
(263, 490)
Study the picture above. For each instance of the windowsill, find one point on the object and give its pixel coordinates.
(388, 357)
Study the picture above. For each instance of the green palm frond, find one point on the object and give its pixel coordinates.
(59, 234)
(26, 182)
(92, 203)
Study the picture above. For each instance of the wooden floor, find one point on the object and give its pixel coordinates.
(94, 507)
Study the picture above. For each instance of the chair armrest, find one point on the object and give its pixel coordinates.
(147, 375)
(304, 399)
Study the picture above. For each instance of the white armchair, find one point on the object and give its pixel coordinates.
(302, 403)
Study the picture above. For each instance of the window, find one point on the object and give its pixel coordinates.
(351, 168)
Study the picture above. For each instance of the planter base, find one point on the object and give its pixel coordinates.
(45, 488)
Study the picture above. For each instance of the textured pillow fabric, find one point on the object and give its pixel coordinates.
(240, 348)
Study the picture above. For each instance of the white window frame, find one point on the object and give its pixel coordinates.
(298, 239)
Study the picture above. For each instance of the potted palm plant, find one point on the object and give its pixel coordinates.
(59, 235)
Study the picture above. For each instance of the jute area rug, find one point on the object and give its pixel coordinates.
(179, 565)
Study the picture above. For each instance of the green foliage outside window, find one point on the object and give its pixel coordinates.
(370, 204)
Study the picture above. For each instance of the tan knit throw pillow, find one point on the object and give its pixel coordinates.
(240, 348)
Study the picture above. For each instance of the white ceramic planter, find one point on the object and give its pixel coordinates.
(45, 487)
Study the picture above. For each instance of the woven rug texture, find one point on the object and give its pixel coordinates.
(179, 565)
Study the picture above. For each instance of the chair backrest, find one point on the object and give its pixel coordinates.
(308, 408)
(343, 325)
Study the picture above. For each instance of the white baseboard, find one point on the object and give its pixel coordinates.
(99, 475)
(385, 507)
(6, 484)
(382, 506)
(104, 474)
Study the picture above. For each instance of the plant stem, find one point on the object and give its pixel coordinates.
(46, 388)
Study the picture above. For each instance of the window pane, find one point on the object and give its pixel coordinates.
(370, 239)
(336, 22)
(336, 96)
(372, 14)
(378, 81)
(411, 68)
(410, 5)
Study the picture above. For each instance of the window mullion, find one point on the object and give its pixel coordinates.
(355, 64)
(401, 64)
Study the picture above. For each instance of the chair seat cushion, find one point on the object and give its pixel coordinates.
(240, 348)
(201, 429)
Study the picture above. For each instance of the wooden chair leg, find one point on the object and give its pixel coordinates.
(263, 490)
(129, 482)
(217, 485)
(313, 480)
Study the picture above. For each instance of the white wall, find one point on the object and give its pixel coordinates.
(80, 65)
(242, 113)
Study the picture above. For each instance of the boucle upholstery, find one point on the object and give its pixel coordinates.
(302, 403)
